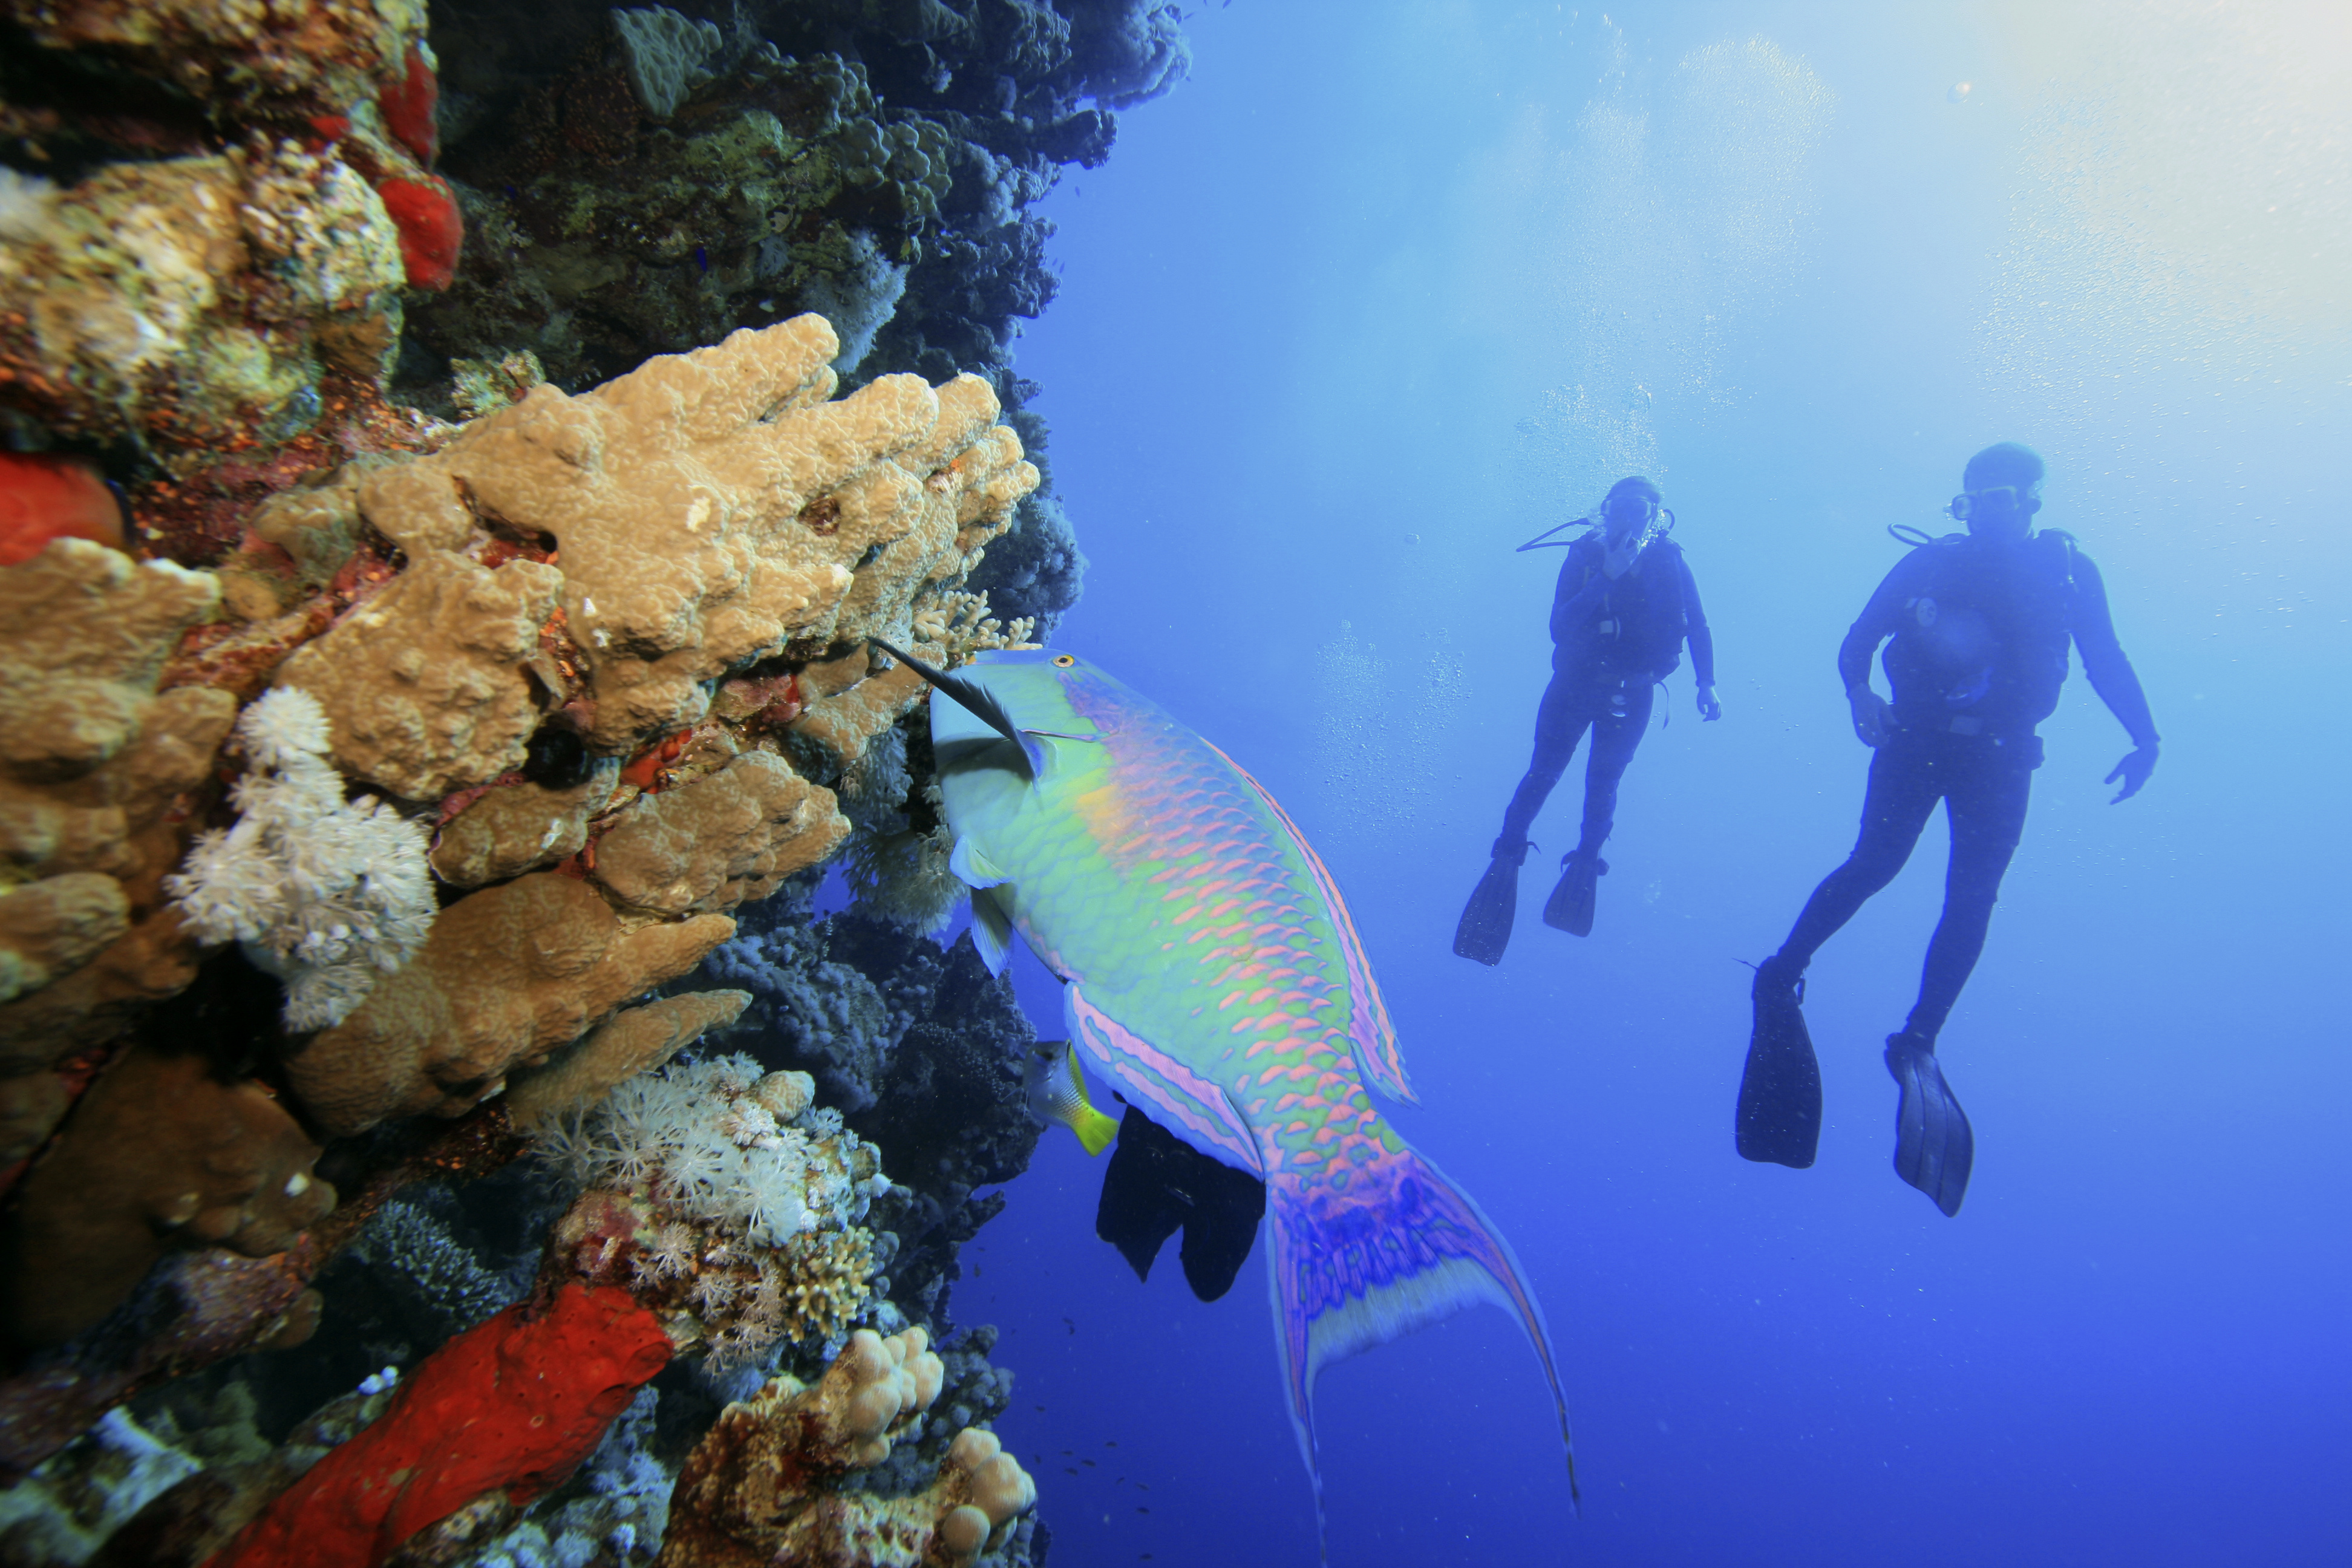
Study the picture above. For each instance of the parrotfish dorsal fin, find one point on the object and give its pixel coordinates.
(972, 697)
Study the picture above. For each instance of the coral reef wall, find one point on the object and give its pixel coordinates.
(451, 462)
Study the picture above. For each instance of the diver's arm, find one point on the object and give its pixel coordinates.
(1702, 642)
(1873, 626)
(2112, 676)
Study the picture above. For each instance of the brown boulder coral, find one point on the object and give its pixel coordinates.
(765, 1486)
(509, 974)
(162, 1153)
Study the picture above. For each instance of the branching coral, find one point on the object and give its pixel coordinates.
(769, 1484)
(327, 894)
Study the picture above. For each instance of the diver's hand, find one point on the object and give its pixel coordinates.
(1709, 710)
(1617, 559)
(2134, 770)
(1870, 716)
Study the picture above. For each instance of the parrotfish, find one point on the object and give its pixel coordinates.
(1211, 974)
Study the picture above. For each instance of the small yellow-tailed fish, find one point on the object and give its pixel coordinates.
(1210, 973)
(1057, 1092)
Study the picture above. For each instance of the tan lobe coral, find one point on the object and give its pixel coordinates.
(720, 839)
(520, 827)
(638, 1040)
(509, 974)
(425, 682)
(765, 1486)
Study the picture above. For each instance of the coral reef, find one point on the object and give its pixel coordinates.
(508, 973)
(162, 1152)
(403, 758)
(766, 1485)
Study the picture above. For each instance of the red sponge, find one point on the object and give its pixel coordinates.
(515, 1402)
(408, 105)
(431, 229)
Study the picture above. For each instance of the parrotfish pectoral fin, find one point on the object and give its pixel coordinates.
(972, 867)
(1377, 1056)
(992, 933)
(1195, 1108)
(1397, 1248)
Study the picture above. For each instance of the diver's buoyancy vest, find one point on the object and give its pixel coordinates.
(1639, 625)
(1984, 634)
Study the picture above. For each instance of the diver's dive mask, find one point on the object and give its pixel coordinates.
(1993, 501)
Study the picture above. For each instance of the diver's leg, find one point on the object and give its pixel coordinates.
(1560, 721)
(1779, 1115)
(1484, 928)
(1616, 735)
(1986, 805)
(1935, 1147)
(1618, 725)
(1904, 784)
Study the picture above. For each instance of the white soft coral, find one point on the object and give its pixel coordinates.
(325, 893)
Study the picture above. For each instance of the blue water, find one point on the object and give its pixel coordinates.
(1313, 372)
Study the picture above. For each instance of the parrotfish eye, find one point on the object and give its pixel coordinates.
(1063, 661)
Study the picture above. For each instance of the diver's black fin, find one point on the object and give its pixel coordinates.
(1223, 1226)
(1934, 1145)
(1485, 927)
(1157, 1183)
(1139, 1208)
(1780, 1116)
(1569, 908)
(969, 694)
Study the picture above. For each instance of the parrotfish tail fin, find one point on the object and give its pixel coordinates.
(1377, 1056)
(1396, 1249)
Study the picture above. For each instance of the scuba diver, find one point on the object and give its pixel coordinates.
(1976, 627)
(1623, 607)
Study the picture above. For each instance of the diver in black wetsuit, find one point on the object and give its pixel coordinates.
(1979, 624)
(1625, 605)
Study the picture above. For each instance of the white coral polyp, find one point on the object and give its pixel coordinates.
(696, 1139)
(325, 893)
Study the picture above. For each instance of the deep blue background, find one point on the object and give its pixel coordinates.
(1305, 309)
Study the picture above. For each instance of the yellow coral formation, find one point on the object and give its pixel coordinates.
(713, 507)
(425, 682)
(720, 839)
(509, 974)
(765, 1486)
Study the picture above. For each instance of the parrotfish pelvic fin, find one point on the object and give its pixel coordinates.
(972, 867)
(1335, 1293)
(992, 933)
(974, 698)
(1197, 1109)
